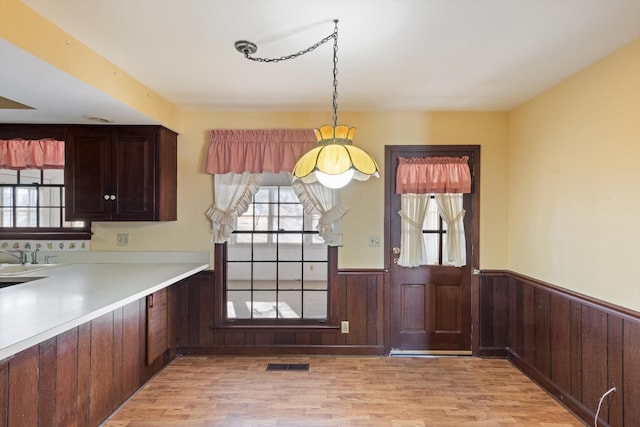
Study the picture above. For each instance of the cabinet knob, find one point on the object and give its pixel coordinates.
(106, 197)
(112, 197)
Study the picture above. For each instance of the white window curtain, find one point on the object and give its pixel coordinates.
(317, 198)
(413, 211)
(450, 208)
(233, 193)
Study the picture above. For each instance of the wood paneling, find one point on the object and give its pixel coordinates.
(4, 392)
(574, 346)
(23, 389)
(358, 299)
(79, 377)
(101, 387)
(67, 378)
(47, 383)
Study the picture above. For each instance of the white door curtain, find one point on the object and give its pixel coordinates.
(447, 178)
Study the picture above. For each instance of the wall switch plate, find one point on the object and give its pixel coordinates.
(123, 240)
(344, 327)
(374, 241)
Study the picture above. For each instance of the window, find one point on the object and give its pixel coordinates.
(32, 205)
(277, 264)
(434, 233)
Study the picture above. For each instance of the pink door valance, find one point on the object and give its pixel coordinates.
(257, 150)
(22, 154)
(420, 175)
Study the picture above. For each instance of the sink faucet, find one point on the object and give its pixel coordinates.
(21, 257)
(34, 256)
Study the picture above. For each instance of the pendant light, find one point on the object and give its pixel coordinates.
(335, 161)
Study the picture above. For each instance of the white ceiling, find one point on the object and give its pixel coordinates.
(393, 54)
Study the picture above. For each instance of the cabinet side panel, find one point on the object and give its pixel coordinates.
(167, 173)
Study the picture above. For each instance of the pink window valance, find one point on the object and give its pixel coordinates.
(21, 154)
(257, 150)
(420, 175)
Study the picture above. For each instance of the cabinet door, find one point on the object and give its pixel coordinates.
(87, 168)
(157, 331)
(133, 154)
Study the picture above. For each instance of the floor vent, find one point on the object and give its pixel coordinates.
(288, 367)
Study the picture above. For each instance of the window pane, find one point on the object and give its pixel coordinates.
(315, 271)
(50, 217)
(239, 271)
(50, 196)
(26, 196)
(239, 253)
(311, 222)
(290, 252)
(265, 270)
(264, 305)
(268, 252)
(30, 176)
(244, 223)
(290, 285)
(314, 304)
(7, 196)
(262, 195)
(290, 271)
(8, 176)
(26, 217)
(260, 238)
(238, 304)
(431, 242)
(431, 220)
(261, 217)
(287, 195)
(53, 176)
(315, 253)
(290, 305)
(6, 217)
(290, 223)
(290, 239)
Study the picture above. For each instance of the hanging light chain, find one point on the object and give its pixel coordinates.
(335, 75)
(248, 48)
(294, 55)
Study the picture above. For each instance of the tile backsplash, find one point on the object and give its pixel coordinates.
(46, 245)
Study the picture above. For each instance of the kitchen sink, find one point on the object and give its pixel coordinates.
(13, 269)
(10, 281)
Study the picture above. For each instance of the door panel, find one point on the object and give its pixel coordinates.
(429, 308)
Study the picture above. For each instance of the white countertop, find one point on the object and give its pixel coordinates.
(72, 294)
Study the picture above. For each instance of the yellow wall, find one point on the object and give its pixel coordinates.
(365, 199)
(574, 182)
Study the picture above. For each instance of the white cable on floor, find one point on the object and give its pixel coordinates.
(595, 421)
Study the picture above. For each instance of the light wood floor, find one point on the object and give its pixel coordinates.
(341, 391)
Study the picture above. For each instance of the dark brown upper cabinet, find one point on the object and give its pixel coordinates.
(120, 173)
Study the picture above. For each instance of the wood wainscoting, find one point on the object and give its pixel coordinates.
(574, 346)
(359, 299)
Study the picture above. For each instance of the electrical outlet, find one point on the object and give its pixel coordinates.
(374, 241)
(123, 240)
(344, 327)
